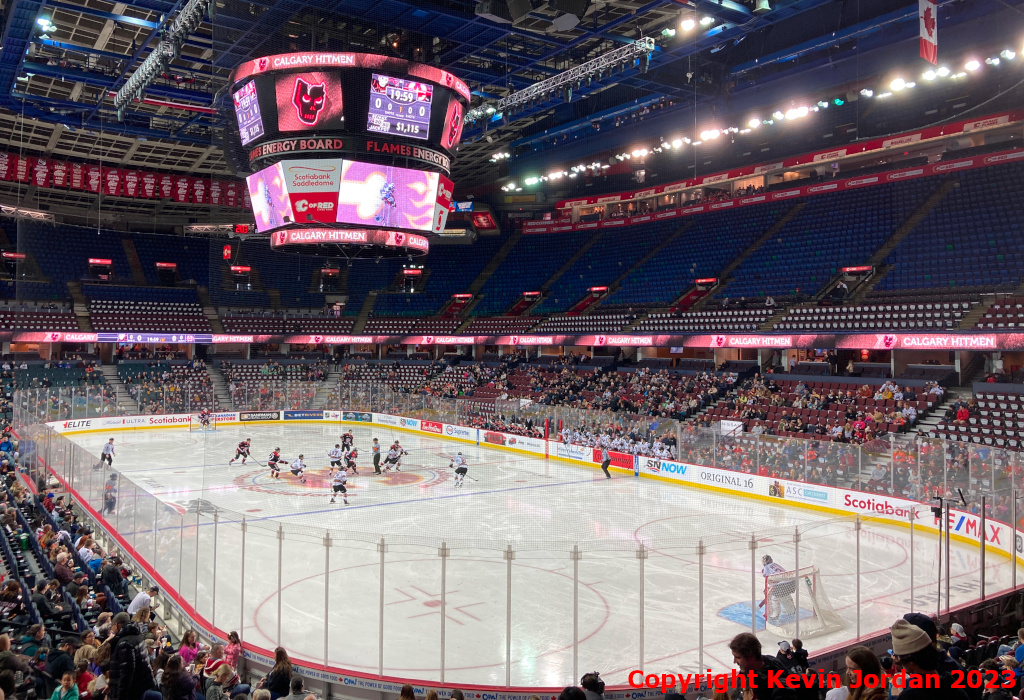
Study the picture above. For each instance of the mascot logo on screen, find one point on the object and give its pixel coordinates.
(719, 341)
(309, 100)
(282, 237)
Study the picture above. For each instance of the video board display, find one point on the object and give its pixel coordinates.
(247, 112)
(399, 106)
(348, 192)
(309, 101)
(269, 196)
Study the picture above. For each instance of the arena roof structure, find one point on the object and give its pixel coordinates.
(63, 61)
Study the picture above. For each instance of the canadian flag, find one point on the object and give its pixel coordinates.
(926, 12)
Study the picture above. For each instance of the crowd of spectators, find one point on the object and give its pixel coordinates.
(165, 388)
(892, 409)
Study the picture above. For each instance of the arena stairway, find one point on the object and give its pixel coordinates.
(326, 390)
(565, 268)
(723, 276)
(80, 305)
(209, 310)
(124, 399)
(877, 260)
(134, 263)
(220, 387)
(617, 282)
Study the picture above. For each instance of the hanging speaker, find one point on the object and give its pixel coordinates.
(519, 9)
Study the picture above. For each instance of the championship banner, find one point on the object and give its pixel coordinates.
(112, 182)
(22, 169)
(93, 178)
(130, 183)
(165, 186)
(180, 191)
(41, 172)
(216, 193)
(61, 172)
(148, 186)
(231, 195)
(77, 176)
(199, 190)
(928, 18)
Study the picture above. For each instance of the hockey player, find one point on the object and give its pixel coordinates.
(781, 591)
(298, 469)
(242, 450)
(376, 456)
(394, 457)
(274, 462)
(338, 481)
(347, 440)
(350, 460)
(335, 456)
(108, 453)
(461, 467)
(204, 418)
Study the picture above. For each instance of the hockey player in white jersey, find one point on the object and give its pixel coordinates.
(338, 481)
(394, 457)
(461, 467)
(335, 456)
(780, 591)
(298, 468)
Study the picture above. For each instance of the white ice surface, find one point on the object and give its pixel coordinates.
(541, 506)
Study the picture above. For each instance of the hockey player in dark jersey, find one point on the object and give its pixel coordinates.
(242, 450)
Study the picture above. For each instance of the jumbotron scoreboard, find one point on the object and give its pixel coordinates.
(351, 142)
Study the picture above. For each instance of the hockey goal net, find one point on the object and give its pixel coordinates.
(194, 423)
(784, 592)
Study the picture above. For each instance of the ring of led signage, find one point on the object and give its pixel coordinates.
(352, 243)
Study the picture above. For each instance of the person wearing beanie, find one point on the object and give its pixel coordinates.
(915, 653)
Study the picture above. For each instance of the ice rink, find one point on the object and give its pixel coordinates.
(541, 507)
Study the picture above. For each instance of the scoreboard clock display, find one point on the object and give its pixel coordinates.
(399, 106)
(247, 111)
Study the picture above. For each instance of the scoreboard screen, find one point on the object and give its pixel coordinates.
(399, 106)
(247, 111)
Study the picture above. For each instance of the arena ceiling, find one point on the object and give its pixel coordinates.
(57, 75)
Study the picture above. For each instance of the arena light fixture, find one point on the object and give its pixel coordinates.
(709, 134)
(866, 92)
(1007, 54)
(883, 95)
(706, 20)
(972, 65)
(911, 85)
(942, 71)
(778, 115)
(668, 32)
(687, 24)
(897, 84)
(929, 75)
(677, 143)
